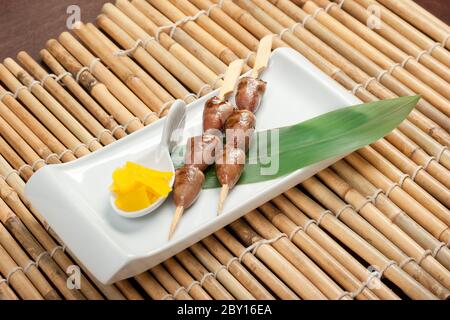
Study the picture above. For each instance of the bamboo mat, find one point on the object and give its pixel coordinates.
(372, 226)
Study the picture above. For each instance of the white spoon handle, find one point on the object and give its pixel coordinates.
(174, 121)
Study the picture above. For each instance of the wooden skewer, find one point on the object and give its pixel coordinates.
(176, 219)
(231, 78)
(229, 84)
(223, 196)
(262, 56)
(261, 63)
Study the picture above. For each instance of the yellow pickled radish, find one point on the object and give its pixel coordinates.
(138, 187)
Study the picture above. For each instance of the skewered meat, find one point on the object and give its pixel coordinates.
(239, 129)
(201, 151)
(187, 186)
(215, 114)
(249, 94)
(229, 166)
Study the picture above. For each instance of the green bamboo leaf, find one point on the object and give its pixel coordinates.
(330, 135)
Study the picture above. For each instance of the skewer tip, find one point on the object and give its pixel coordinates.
(176, 219)
(223, 197)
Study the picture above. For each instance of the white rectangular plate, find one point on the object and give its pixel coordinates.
(74, 197)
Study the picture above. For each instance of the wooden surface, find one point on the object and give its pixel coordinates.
(27, 25)
(384, 207)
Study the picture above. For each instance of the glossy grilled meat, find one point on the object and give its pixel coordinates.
(230, 165)
(187, 186)
(215, 114)
(249, 94)
(239, 129)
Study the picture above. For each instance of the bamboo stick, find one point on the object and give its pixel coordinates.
(236, 269)
(259, 269)
(407, 166)
(323, 259)
(144, 58)
(169, 283)
(429, 71)
(20, 257)
(325, 241)
(345, 50)
(399, 50)
(18, 184)
(41, 112)
(99, 91)
(17, 279)
(194, 80)
(223, 275)
(427, 14)
(6, 292)
(407, 203)
(197, 32)
(151, 20)
(151, 83)
(394, 213)
(6, 193)
(419, 156)
(26, 134)
(128, 290)
(209, 283)
(37, 253)
(12, 157)
(52, 105)
(135, 72)
(356, 223)
(228, 23)
(185, 279)
(408, 31)
(10, 197)
(361, 247)
(276, 262)
(19, 145)
(114, 85)
(294, 41)
(301, 261)
(268, 229)
(216, 31)
(110, 292)
(368, 35)
(70, 103)
(369, 212)
(418, 21)
(88, 102)
(388, 170)
(152, 287)
(147, 98)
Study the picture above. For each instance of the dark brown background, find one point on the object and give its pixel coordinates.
(28, 24)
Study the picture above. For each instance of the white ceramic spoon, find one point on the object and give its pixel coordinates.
(159, 158)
